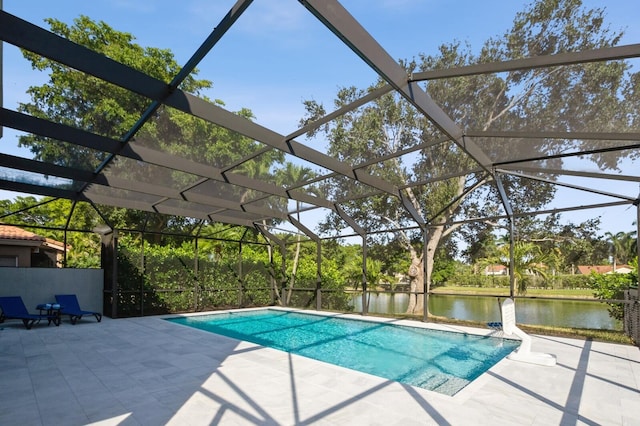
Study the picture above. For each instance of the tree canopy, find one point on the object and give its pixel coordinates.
(551, 99)
(77, 99)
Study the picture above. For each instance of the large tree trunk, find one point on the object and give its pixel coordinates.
(434, 235)
(416, 281)
(422, 283)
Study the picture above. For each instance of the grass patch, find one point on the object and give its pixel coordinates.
(502, 291)
(609, 336)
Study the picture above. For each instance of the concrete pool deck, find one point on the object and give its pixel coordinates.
(147, 371)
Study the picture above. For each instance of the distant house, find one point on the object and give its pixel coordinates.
(24, 249)
(496, 270)
(604, 269)
(401, 278)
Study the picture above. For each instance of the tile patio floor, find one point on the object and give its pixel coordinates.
(147, 371)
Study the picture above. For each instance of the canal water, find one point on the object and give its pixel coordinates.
(560, 313)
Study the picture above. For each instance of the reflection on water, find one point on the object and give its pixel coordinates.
(561, 313)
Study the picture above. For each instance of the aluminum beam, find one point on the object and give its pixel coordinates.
(218, 115)
(417, 217)
(400, 153)
(86, 139)
(335, 17)
(143, 206)
(47, 169)
(566, 185)
(38, 126)
(35, 39)
(570, 58)
(28, 36)
(373, 95)
(184, 72)
(634, 146)
(308, 232)
(352, 223)
(551, 171)
(615, 136)
(45, 191)
(503, 196)
(443, 177)
(498, 217)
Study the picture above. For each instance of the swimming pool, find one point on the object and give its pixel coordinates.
(440, 361)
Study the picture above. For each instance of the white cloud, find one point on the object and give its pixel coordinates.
(262, 18)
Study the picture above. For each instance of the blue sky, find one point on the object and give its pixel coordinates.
(278, 55)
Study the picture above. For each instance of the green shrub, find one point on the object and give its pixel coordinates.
(571, 281)
(478, 280)
(532, 281)
(611, 286)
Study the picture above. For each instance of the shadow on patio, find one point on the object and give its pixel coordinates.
(150, 371)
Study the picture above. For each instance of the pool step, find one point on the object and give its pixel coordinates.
(433, 381)
(445, 384)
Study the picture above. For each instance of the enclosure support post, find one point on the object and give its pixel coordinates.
(196, 264)
(115, 291)
(272, 275)
(1, 78)
(240, 283)
(318, 276)
(277, 287)
(283, 270)
(512, 261)
(66, 226)
(637, 204)
(143, 268)
(109, 264)
(315, 238)
(64, 250)
(365, 308)
(425, 295)
(512, 230)
(363, 234)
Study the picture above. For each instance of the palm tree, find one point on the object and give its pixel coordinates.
(259, 169)
(292, 175)
(622, 246)
(528, 259)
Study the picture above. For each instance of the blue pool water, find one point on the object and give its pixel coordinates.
(441, 361)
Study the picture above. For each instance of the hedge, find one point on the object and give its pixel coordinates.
(497, 281)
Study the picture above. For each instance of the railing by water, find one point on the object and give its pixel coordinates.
(532, 310)
(560, 311)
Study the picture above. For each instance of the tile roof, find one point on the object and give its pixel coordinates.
(8, 232)
(14, 233)
(496, 268)
(601, 269)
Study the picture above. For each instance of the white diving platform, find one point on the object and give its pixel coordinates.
(523, 353)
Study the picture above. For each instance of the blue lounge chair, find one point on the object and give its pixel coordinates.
(69, 306)
(13, 308)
